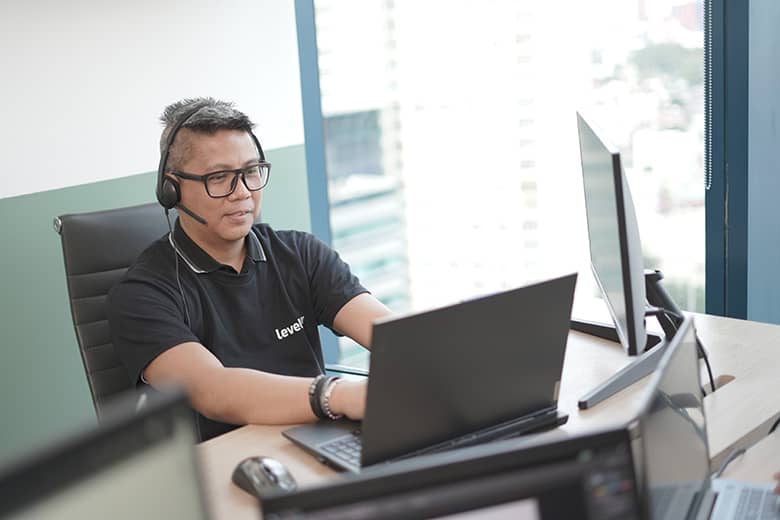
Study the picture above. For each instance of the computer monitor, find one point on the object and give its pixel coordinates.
(589, 477)
(613, 236)
(629, 291)
(135, 465)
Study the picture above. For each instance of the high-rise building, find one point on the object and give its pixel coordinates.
(362, 149)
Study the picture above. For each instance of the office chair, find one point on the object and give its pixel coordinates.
(97, 249)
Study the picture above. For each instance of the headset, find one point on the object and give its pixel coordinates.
(168, 190)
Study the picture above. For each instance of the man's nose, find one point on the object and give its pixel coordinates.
(241, 191)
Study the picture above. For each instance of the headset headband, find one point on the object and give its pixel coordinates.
(166, 149)
(161, 198)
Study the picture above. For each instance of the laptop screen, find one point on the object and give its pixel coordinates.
(454, 370)
(140, 466)
(673, 429)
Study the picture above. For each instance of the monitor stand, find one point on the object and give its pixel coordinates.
(668, 315)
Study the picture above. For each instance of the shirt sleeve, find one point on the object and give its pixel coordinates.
(331, 281)
(146, 319)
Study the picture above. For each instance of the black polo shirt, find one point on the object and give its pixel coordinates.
(264, 317)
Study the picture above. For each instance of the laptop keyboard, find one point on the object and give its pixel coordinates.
(756, 504)
(346, 448)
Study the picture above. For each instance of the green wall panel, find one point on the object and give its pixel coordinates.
(286, 198)
(43, 389)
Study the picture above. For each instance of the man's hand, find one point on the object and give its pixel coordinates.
(777, 486)
(349, 398)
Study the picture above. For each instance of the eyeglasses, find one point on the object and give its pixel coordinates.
(223, 183)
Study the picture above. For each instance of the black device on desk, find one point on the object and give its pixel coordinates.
(477, 371)
(589, 477)
(261, 476)
(134, 465)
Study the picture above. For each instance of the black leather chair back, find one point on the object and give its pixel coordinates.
(97, 248)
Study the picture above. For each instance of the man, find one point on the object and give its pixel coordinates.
(229, 309)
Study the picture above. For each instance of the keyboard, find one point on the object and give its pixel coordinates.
(347, 447)
(756, 504)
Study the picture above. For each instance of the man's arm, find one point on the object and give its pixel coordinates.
(355, 319)
(243, 395)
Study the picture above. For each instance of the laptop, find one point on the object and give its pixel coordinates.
(134, 465)
(675, 461)
(587, 477)
(476, 371)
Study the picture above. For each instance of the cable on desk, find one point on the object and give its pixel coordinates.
(733, 455)
(706, 361)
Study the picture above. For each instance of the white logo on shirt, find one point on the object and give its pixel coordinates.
(296, 326)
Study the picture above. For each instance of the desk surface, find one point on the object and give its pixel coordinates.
(759, 463)
(739, 414)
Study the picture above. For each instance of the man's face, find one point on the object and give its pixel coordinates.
(230, 218)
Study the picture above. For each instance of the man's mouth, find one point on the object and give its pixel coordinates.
(238, 213)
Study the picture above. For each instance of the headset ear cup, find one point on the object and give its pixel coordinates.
(170, 194)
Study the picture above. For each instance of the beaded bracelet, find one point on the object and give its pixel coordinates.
(315, 390)
(325, 402)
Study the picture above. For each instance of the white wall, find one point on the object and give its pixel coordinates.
(83, 82)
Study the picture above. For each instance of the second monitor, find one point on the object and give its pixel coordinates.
(630, 292)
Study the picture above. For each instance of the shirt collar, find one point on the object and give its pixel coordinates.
(200, 261)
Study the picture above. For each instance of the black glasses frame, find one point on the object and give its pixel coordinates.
(236, 173)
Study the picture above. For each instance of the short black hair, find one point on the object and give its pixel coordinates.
(211, 115)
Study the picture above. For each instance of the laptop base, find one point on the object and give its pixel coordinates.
(314, 438)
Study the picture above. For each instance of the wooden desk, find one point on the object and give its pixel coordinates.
(738, 414)
(759, 463)
(219, 456)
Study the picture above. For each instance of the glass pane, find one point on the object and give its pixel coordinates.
(451, 146)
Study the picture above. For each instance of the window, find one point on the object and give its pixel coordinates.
(451, 146)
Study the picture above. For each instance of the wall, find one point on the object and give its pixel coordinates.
(84, 81)
(83, 85)
(763, 277)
